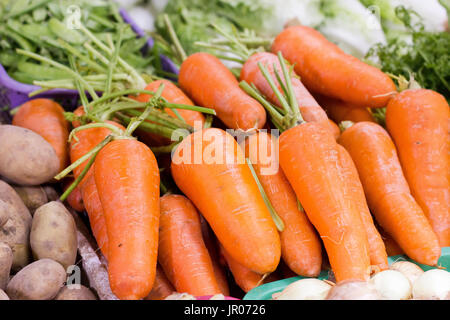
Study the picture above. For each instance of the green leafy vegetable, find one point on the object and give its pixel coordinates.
(426, 56)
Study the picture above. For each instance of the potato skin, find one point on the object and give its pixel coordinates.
(3, 295)
(15, 232)
(81, 293)
(54, 234)
(26, 157)
(40, 280)
(4, 212)
(6, 259)
(32, 197)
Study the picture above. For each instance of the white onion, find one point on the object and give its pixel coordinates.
(410, 270)
(392, 285)
(353, 290)
(180, 296)
(432, 284)
(305, 289)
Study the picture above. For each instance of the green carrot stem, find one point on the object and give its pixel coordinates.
(164, 149)
(208, 121)
(344, 125)
(77, 181)
(276, 218)
(82, 57)
(113, 62)
(277, 118)
(60, 66)
(293, 103)
(148, 126)
(173, 36)
(94, 150)
(189, 107)
(109, 126)
(274, 88)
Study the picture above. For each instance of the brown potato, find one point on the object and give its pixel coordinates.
(54, 234)
(51, 193)
(3, 295)
(26, 158)
(40, 280)
(6, 259)
(32, 197)
(4, 212)
(15, 232)
(79, 292)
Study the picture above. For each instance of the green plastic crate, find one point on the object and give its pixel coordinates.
(265, 291)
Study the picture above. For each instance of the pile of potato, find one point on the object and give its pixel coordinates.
(38, 235)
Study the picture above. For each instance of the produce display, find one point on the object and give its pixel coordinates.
(224, 150)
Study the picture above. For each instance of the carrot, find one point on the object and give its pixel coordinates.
(392, 247)
(326, 69)
(387, 192)
(182, 252)
(377, 250)
(343, 111)
(335, 129)
(210, 84)
(46, 118)
(74, 199)
(301, 248)
(127, 179)
(211, 244)
(162, 287)
(78, 112)
(94, 209)
(309, 108)
(83, 142)
(309, 159)
(245, 278)
(418, 121)
(222, 187)
(172, 94)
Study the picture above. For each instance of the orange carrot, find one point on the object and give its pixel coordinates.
(335, 129)
(46, 118)
(210, 84)
(162, 287)
(301, 248)
(326, 69)
(213, 248)
(355, 192)
(388, 193)
(127, 179)
(309, 108)
(210, 169)
(182, 252)
(392, 247)
(418, 121)
(172, 94)
(245, 278)
(309, 158)
(74, 200)
(343, 111)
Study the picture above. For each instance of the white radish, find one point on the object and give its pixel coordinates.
(392, 285)
(353, 290)
(304, 289)
(410, 270)
(432, 285)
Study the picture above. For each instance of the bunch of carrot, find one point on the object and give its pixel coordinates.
(241, 209)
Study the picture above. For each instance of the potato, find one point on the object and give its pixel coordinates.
(4, 212)
(40, 280)
(3, 295)
(26, 158)
(54, 234)
(15, 232)
(32, 197)
(74, 293)
(51, 193)
(6, 259)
